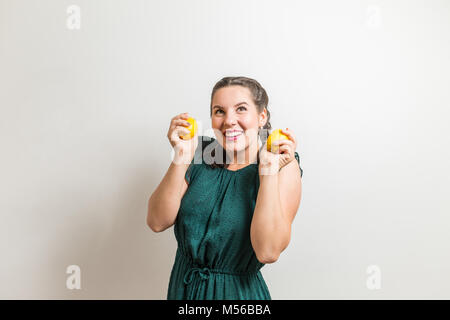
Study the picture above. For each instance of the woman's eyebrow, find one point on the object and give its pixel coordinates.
(243, 102)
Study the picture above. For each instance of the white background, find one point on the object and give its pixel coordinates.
(364, 85)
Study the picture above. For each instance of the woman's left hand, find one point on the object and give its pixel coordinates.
(271, 163)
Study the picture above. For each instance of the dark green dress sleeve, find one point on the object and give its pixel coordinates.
(297, 157)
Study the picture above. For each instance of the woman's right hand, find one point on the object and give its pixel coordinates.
(184, 149)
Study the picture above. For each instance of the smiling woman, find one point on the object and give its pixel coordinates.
(229, 223)
(239, 112)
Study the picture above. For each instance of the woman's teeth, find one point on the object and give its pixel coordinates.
(232, 136)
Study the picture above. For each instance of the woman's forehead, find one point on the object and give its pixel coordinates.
(232, 95)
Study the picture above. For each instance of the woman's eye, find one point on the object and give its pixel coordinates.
(238, 109)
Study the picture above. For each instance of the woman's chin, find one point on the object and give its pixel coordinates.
(234, 147)
(237, 145)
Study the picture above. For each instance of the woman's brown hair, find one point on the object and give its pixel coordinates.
(260, 99)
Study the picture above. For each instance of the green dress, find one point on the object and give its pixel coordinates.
(215, 259)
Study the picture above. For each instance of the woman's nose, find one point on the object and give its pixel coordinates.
(230, 119)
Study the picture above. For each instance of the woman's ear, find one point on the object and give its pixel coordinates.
(263, 118)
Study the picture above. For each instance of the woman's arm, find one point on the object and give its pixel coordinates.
(276, 205)
(165, 201)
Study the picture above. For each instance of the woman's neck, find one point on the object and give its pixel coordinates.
(242, 159)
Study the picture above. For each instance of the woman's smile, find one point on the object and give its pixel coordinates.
(232, 135)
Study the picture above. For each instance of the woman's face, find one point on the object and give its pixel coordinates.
(235, 118)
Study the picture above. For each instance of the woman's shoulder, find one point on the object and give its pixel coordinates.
(198, 163)
(202, 149)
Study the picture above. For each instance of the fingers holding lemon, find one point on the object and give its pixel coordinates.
(192, 129)
(180, 128)
(278, 151)
(275, 136)
(183, 137)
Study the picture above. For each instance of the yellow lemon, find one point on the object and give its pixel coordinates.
(192, 128)
(275, 136)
